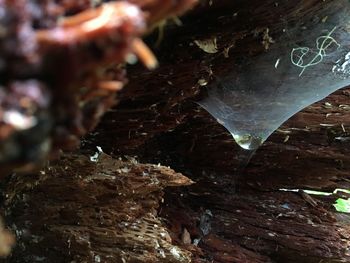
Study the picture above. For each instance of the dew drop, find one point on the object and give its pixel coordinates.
(248, 141)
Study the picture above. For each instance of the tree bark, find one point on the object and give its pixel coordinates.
(228, 214)
(251, 218)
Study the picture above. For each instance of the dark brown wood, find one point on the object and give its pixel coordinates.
(84, 211)
(228, 214)
(253, 220)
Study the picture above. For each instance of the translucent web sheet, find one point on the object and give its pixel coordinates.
(309, 61)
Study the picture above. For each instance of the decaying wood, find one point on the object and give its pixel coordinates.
(83, 211)
(76, 209)
(252, 219)
(62, 65)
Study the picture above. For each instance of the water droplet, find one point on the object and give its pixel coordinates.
(248, 141)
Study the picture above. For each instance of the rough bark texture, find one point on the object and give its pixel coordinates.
(227, 215)
(83, 211)
(250, 219)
